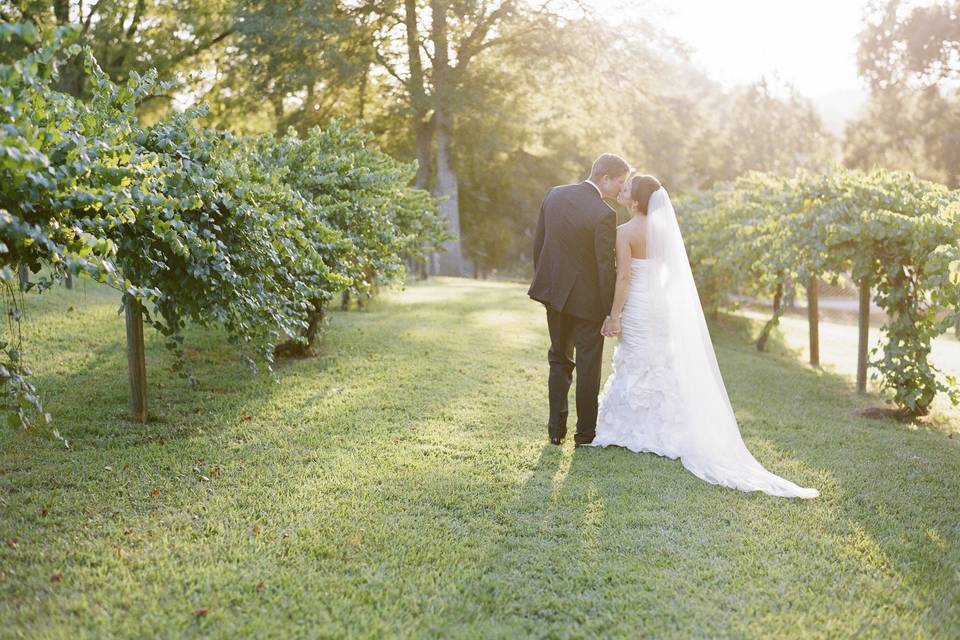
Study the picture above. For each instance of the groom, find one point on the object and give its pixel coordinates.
(574, 266)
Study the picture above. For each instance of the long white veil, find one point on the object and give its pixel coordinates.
(713, 448)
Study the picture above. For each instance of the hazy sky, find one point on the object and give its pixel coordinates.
(809, 43)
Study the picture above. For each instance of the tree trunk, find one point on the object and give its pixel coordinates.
(24, 274)
(956, 324)
(136, 359)
(71, 72)
(813, 319)
(362, 95)
(423, 133)
(450, 262)
(315, 320)
(68, 281)
(422, 124)
(774, 321)
(864, 336)
(276, 101)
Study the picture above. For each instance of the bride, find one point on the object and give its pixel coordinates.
(665, 394)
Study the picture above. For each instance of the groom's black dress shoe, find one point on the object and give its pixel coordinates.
(556, 440)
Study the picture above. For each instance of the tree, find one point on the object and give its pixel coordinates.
(135, 35)
(910, 57)
(191, 224)
(304, 62)
(443, 41)
(897, 235)
(910, 45)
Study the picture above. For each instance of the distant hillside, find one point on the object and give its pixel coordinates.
(838, 107)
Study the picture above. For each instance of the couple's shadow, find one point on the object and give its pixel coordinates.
(569, 492)
(607, 471)
(601, 490)
(569, 521)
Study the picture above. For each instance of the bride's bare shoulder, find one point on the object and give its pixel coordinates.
(630, 228)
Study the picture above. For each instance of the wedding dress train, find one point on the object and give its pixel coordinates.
(665, 394)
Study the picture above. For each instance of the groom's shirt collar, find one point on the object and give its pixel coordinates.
(594, 185)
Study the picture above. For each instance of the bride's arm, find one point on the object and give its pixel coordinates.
(623, 280)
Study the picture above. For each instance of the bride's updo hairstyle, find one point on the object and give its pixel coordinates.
(641, 188)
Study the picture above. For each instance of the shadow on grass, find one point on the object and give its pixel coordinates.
(406, 479)
(593, 536)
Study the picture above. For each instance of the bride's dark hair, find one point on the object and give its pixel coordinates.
(641, 188)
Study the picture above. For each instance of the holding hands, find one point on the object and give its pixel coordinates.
(611, 327)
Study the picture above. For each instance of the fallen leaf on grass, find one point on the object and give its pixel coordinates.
(155, 492)
(201, 612)
(255, 529)
(57, 577)
(260, 587)
(246, 418)
(12, 543)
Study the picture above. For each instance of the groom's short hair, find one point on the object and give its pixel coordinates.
(609, 164)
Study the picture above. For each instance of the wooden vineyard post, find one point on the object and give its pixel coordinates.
(864, 335)
(136, 361)
(813, 319)
(772, 322)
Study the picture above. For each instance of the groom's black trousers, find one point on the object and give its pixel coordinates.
(574, 343)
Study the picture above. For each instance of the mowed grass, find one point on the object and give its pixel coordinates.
(401, 485)
(838, 353)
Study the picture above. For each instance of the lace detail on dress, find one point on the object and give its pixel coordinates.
(639, 403)
(666, 394)
(642, 407)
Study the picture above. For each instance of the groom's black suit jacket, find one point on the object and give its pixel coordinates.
(574, 258)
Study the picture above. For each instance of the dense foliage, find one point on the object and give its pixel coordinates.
(896, 233)
(908, 54)
(56, 166)
(252, 234)
(497, 100)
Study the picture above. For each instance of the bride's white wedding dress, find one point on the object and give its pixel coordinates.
(665, 394)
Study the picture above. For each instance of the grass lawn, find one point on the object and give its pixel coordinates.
(838, 352)
(401, 485)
